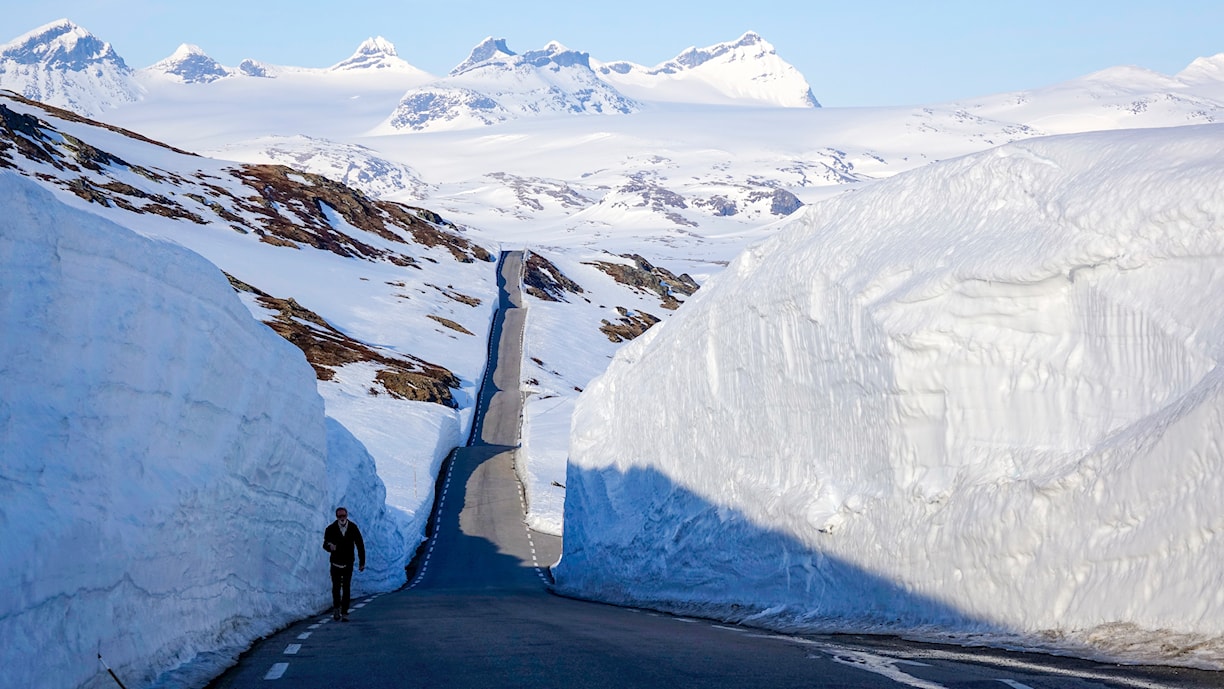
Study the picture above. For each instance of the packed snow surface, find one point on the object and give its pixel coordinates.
(981, 397)
(151, 428)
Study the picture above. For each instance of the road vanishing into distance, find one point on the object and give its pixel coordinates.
(478, 611)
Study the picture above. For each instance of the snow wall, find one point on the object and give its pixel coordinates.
(166, 469)
(980, 399)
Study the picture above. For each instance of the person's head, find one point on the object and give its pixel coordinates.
(342, 515)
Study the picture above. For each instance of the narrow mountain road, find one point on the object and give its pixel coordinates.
(478, 612)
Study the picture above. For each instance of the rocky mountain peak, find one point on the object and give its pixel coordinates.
(63, 45)
(191, 65)
(374, 53)
(488, 49)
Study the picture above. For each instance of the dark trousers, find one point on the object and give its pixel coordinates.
(342, 579)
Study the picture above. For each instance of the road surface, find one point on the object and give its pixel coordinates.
(478, 613)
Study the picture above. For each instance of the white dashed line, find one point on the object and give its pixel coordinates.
(316, 625)
(292, 649)
(277, 671)
(304, 636)
(359, 605)
(433, 541)
(1014, 684)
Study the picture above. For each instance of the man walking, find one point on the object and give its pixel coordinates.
(339, 539)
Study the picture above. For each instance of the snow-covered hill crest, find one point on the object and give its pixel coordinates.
(62, 64)
(496, 85)
(747, 71)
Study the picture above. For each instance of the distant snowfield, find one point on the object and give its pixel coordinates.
(981, 399)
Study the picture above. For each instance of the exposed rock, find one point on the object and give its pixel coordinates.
(644, 277)
(450, 293)
(403, 377)
(628, 326)
(543, 280)
(451, 324)
(288, 208)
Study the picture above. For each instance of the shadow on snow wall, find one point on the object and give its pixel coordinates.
(640, 539)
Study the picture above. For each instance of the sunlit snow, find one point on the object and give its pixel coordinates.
(982, 398)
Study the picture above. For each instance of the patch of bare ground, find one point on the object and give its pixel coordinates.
(646, 278)
(451, 293)
(628, 326)
(402, 377)
(544, 280)
(285, 207)
(451, 324)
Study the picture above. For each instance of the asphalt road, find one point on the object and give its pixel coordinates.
(478, 612)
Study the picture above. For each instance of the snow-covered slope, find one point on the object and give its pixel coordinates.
(747, 71)
(62, 64)
(984, 397)
(496, 85)
(151, 428)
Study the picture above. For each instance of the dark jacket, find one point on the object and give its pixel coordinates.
(343, 554)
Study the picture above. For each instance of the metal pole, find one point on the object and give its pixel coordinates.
(112, 672)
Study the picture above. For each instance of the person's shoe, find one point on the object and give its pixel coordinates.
(344, 617)
(335, 614)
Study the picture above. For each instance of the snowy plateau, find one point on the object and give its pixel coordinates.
(947, 370)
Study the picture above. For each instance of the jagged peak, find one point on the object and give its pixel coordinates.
(61, 43)
(190, 64)
(375, 53)
(694, 57)
(557, 54)
(488, 49)
(376, 45)
(255, 68)
(48, 32)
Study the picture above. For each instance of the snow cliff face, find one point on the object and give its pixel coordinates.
(495, 85)
(64, 65)
(745, 71)
(189, 65)
(935, 400)
(153, 429)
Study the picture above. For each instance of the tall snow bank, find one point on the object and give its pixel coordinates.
(979, 398)
(165, 466)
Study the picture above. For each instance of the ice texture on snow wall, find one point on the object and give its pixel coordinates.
(163, 456)
(981, 397)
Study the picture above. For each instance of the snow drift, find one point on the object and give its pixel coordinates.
(981, 398)
(151, 428)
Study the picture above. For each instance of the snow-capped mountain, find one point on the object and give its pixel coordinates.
(496, 85)
(62, 64)
(189, 65)
(747, 71)
(377, 54)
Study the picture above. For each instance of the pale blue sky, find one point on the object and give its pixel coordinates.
(886, 52)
